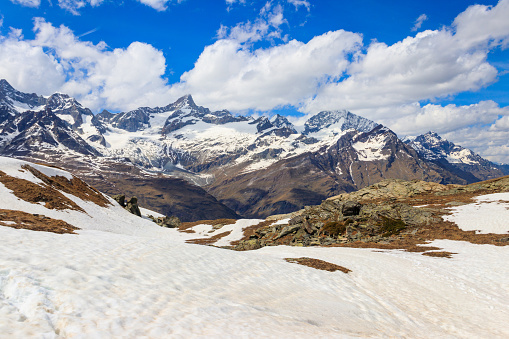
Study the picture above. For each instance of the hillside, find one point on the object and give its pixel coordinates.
(113, 274)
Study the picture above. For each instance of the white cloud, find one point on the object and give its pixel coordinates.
(56, 60)
(298, 3)
(160, 5)
(430, 65)
(229, 75)
(414, 119)
(28, 67)
(418, 23)
(74, 5)
(266, 26)
(28, 3)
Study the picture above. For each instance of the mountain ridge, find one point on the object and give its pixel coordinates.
(254, 166)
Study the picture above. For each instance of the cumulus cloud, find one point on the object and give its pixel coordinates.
(419, 22)
(414, 119)
(229, 75)
(28, 3)
(56, 60)
(28, 67)
(429, 65)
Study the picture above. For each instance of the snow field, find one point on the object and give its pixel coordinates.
(489, 214)
(100, 284)
(123, 276)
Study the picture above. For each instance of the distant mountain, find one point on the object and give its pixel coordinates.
(255, 167)
(458, 159)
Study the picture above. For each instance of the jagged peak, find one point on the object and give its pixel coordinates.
(325, 119)
(5, 84)
(186, 100)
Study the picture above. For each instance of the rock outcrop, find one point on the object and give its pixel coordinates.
(130, 205)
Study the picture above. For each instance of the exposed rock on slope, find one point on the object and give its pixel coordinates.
(384, 214)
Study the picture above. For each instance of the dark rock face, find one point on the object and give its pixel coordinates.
(351, 208)
(43, 127)
(345, 119)
(132, 206)
(120, 198)
(339, 222)
(8, 94)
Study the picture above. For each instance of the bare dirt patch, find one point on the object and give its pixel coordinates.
(208, 241)
(75, 186)
(442, 254)
(33, 193)
(34, 222)
(218, 223)
(318, 264)
(50, 192)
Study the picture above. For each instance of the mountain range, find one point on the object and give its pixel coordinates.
(186, 160)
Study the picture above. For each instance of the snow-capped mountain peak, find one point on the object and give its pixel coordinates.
(433, 147)
(17, 101)
(340, 120)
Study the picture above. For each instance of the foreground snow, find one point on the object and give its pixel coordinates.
(125, 277)
(101, 284)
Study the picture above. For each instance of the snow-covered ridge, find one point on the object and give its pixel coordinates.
(89, 216)
(433, 147)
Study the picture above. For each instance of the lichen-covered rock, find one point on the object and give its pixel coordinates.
(120, 198)
(248, 245)
(132, 206)
(169, 222)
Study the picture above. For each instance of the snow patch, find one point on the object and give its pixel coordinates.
(489, 214)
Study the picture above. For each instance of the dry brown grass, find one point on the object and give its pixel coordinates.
(208, 241)
(441, 254)
(74, 186)
(34, 222)
(50, 192)
(186, 225)
(318, 264)
(33, 193)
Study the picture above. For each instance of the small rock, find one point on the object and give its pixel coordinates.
(120, 198)
(351, 208)
(169, 222)
(132, 206)
(287, 230)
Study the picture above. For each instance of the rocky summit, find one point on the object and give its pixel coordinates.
(236, 165)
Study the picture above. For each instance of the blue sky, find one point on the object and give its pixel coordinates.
(411, 65)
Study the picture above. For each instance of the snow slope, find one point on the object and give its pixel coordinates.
(122, 276)
(489, 214)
